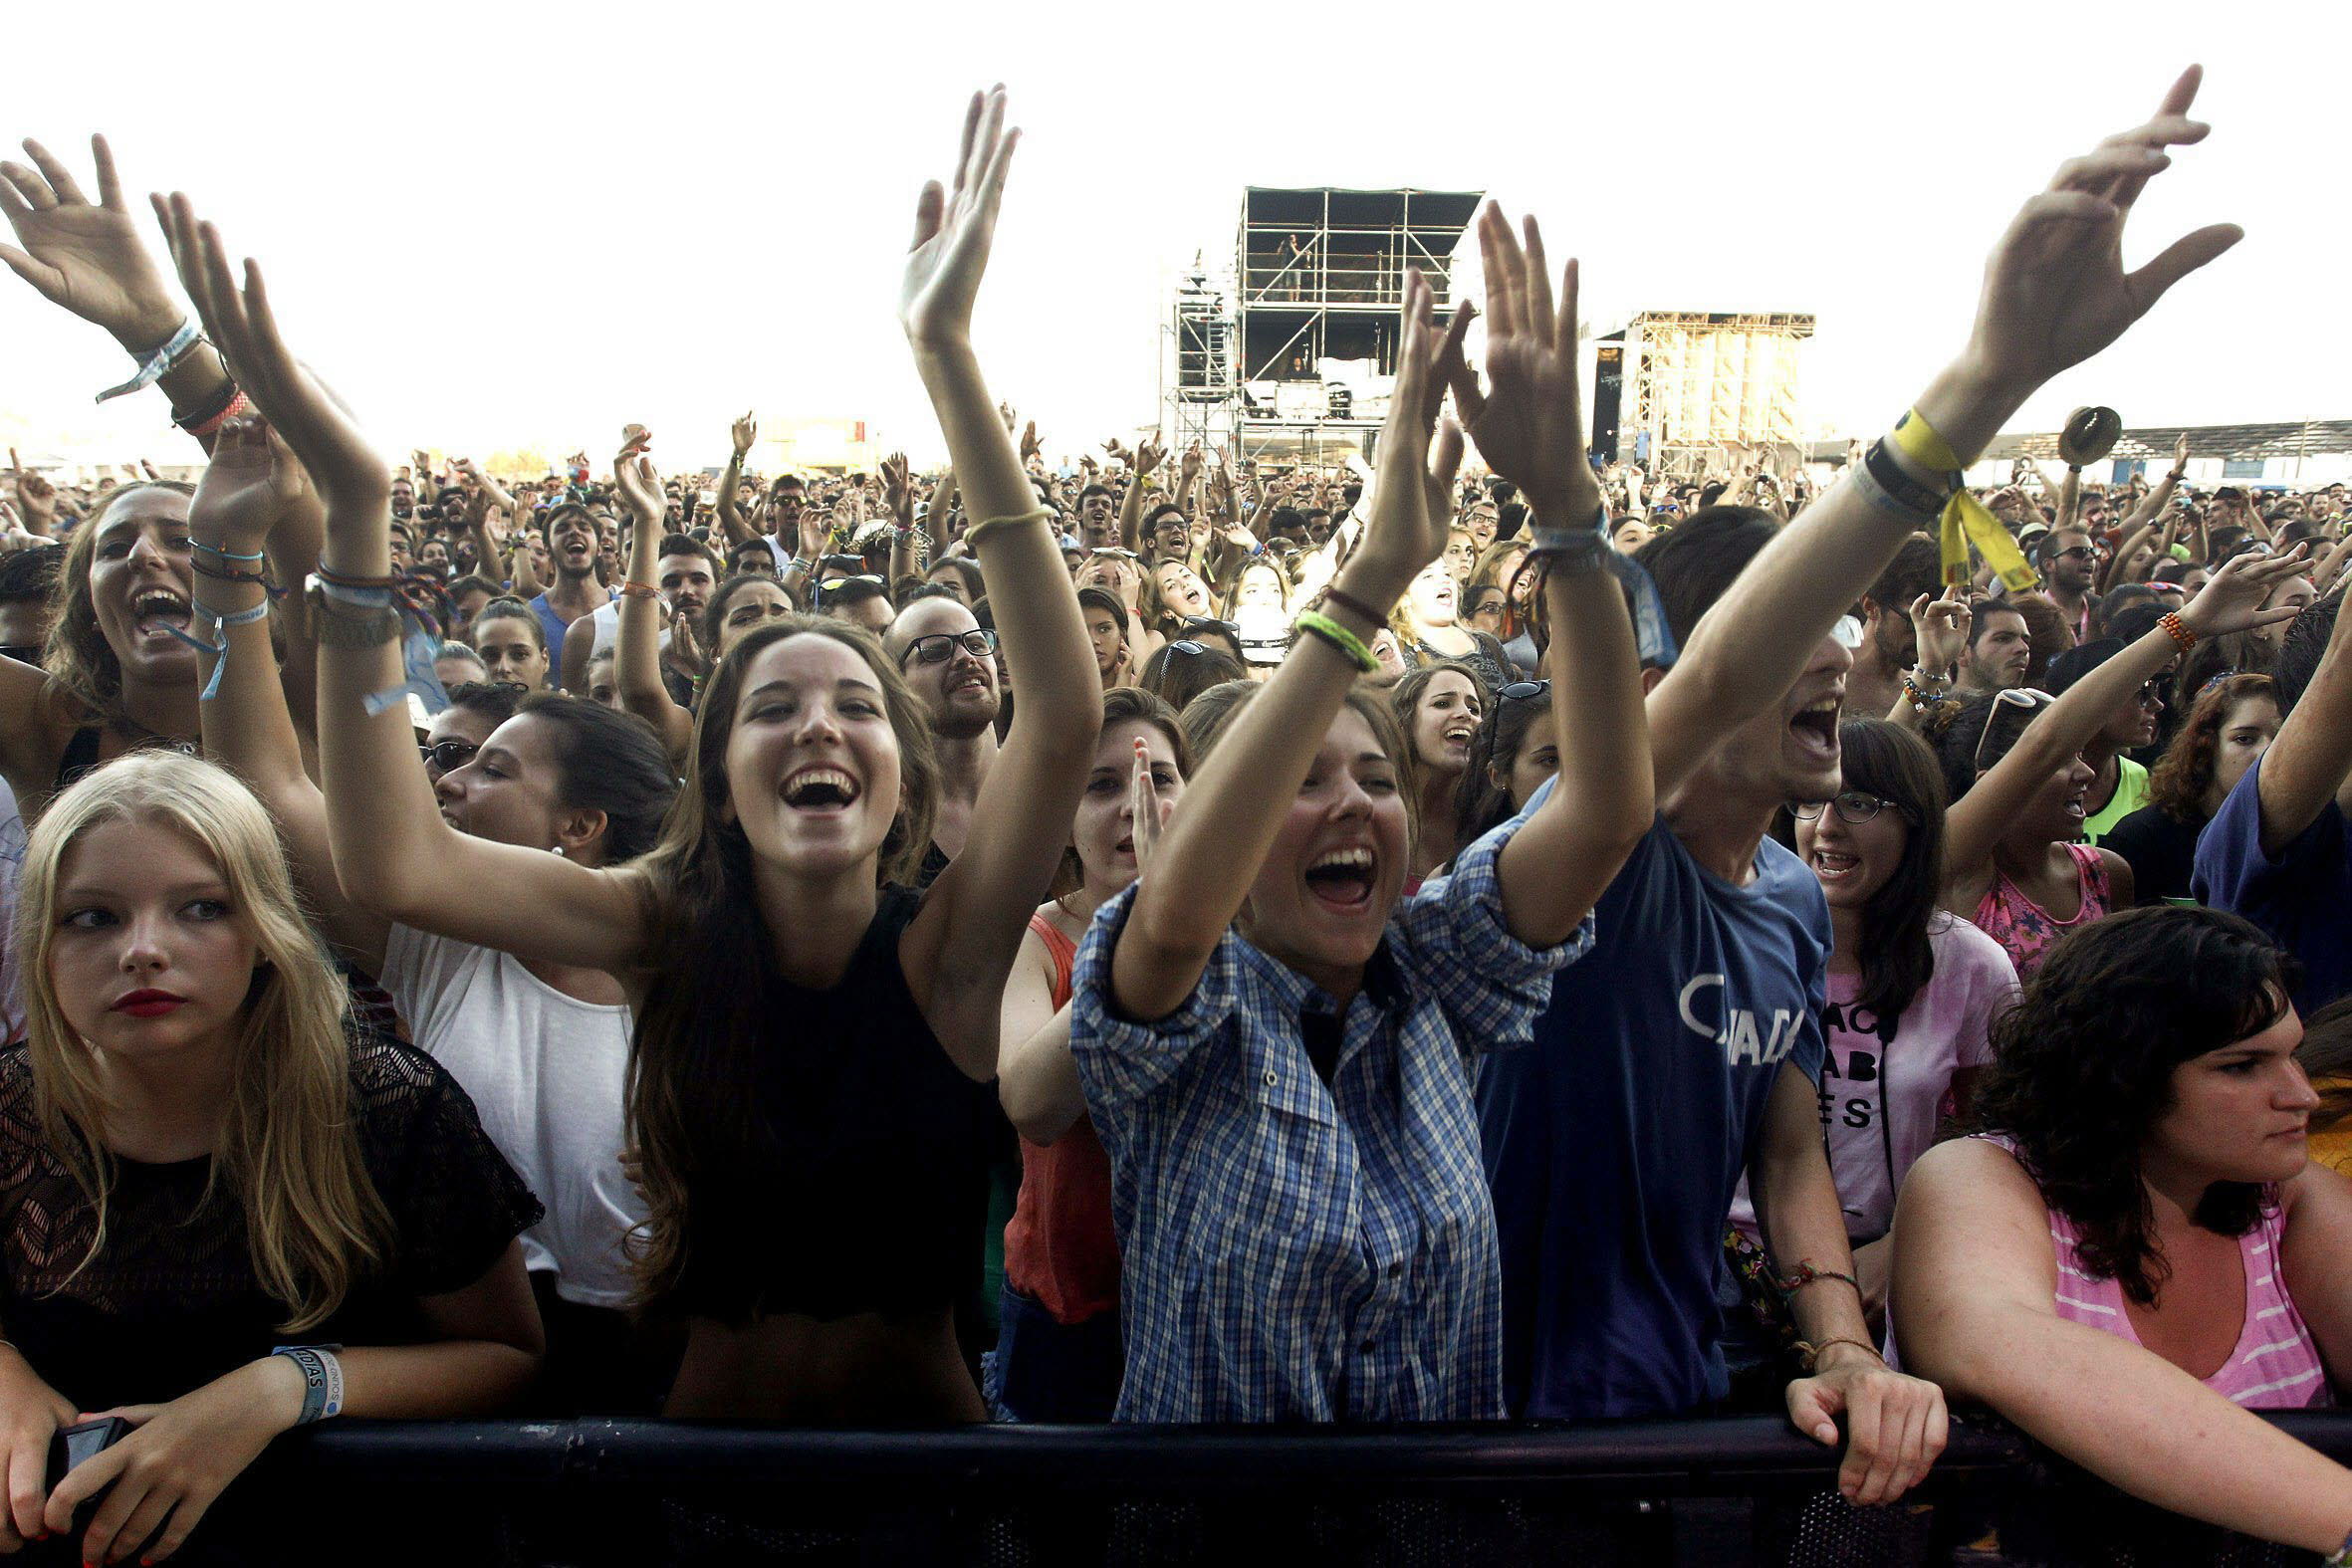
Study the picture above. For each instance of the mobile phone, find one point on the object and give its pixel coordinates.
(69, 1447)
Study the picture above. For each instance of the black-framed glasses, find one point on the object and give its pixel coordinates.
(447, 755)
(940, 646)
(1855, 807)
(1525, 691)
(2075, 552)
(2029, 698)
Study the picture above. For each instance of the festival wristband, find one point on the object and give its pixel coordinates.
(1963, 520)
(153, 367)
(322, 1380)
(1349, 645)
(219, 645)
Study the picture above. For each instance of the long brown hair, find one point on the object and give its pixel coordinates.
(2180, 778)
(717, 989)
(287, 1152)
(79, 659)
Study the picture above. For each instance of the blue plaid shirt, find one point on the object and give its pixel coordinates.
(1292, 1252)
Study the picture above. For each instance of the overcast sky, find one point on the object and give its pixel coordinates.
(495, 225)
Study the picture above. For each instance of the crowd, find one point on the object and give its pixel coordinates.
(1481, 935)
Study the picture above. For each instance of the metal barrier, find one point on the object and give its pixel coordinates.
(592, 1492)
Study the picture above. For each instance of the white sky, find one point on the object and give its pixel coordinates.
(495, 225)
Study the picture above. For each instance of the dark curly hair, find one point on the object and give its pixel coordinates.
(2084, 1068)
(2180, 778)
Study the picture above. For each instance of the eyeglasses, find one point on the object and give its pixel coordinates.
(2026, 697)
(447, 755)
(941, 646)
(1525, 691)
(2075, 552)
(1854, 807)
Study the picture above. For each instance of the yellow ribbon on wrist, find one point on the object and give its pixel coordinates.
(1964, 520)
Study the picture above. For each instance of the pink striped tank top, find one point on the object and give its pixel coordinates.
(2025, 930)
(2273, 1366)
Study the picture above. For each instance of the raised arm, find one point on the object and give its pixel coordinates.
(958, 949)
(252, 486)
(2310, 764)
(1975, 1282)
(2055, 293)
(1148, 453)
(1529, 427)
(393, 853)
(637, 658)
(738, 527)
(1211, 853)
(2232, 601)
(86, 258)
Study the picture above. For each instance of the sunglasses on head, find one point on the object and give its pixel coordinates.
(1853, 807)
(1525, 691)
(1209, 623)
(940, 646)
(2028, 698)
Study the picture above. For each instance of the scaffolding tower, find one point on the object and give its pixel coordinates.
(1701, 383)
(1299, 364)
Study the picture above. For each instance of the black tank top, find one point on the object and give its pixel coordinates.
(877, 1196)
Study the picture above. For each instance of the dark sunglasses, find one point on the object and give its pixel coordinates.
(1525, 691)
(2075, 552)
(1209, 623)
(448, 755)
(1852, 807)
(941, 646)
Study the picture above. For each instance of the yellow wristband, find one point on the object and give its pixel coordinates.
(1917, 440)
(1338, 636)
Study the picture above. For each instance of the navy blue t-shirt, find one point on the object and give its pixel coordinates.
(1614, 1144)
(2301, 896)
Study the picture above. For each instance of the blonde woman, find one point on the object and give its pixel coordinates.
(204, 1162)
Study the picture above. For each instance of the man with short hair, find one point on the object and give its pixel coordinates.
(860, 601)
(27, 578)
(570, 533)
(1098, 519)
(1999, 649)
(1889, 647)
(950, 663)
(2069, 567)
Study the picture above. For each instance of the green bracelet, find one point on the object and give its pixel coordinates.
(1338, 636)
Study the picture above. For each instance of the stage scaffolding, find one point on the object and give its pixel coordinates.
(1290, 351)
(1703, 385)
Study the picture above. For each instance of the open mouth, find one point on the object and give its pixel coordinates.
(1815, 727)
(819, 789)
(1458, 738)
(976, 682)
(157, 613)
(1344, 878)
(1830, 866)
(2075, 805)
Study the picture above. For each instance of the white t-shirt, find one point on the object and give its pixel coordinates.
(549, 1075)
(606, 619)
(1883, 1084)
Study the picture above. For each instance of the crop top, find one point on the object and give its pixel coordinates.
(873, 1150)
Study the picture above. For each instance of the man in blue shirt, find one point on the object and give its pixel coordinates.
(1678, 1055)
(2275, 852)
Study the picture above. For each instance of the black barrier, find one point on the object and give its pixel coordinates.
(637, 1493)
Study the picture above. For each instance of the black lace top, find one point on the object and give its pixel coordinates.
(173, 1302)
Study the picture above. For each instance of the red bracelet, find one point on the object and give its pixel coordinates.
(1355, 605)
(2177, 630)
(211, 427)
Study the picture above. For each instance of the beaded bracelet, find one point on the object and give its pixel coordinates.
(2177, 629)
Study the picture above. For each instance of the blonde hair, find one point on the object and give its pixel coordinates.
(288, 1151)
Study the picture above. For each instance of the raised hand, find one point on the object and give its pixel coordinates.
(1528, 422)
(339, 460)
(2232, 599)
(1030, 446)
(897, 492)
(2181, 452)
(1150, 453)
(954, 228)
(1412, 489)
(640, 486)
(745, 431)
(2055, 290)
(252, 483)
(36, 494)
(1189, 466)
(1939, 630)
(1148, 814)
(82, 255)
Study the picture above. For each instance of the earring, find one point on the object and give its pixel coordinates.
(558, 848)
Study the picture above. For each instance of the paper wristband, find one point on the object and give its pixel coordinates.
(154, 366)
(1964, 520)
